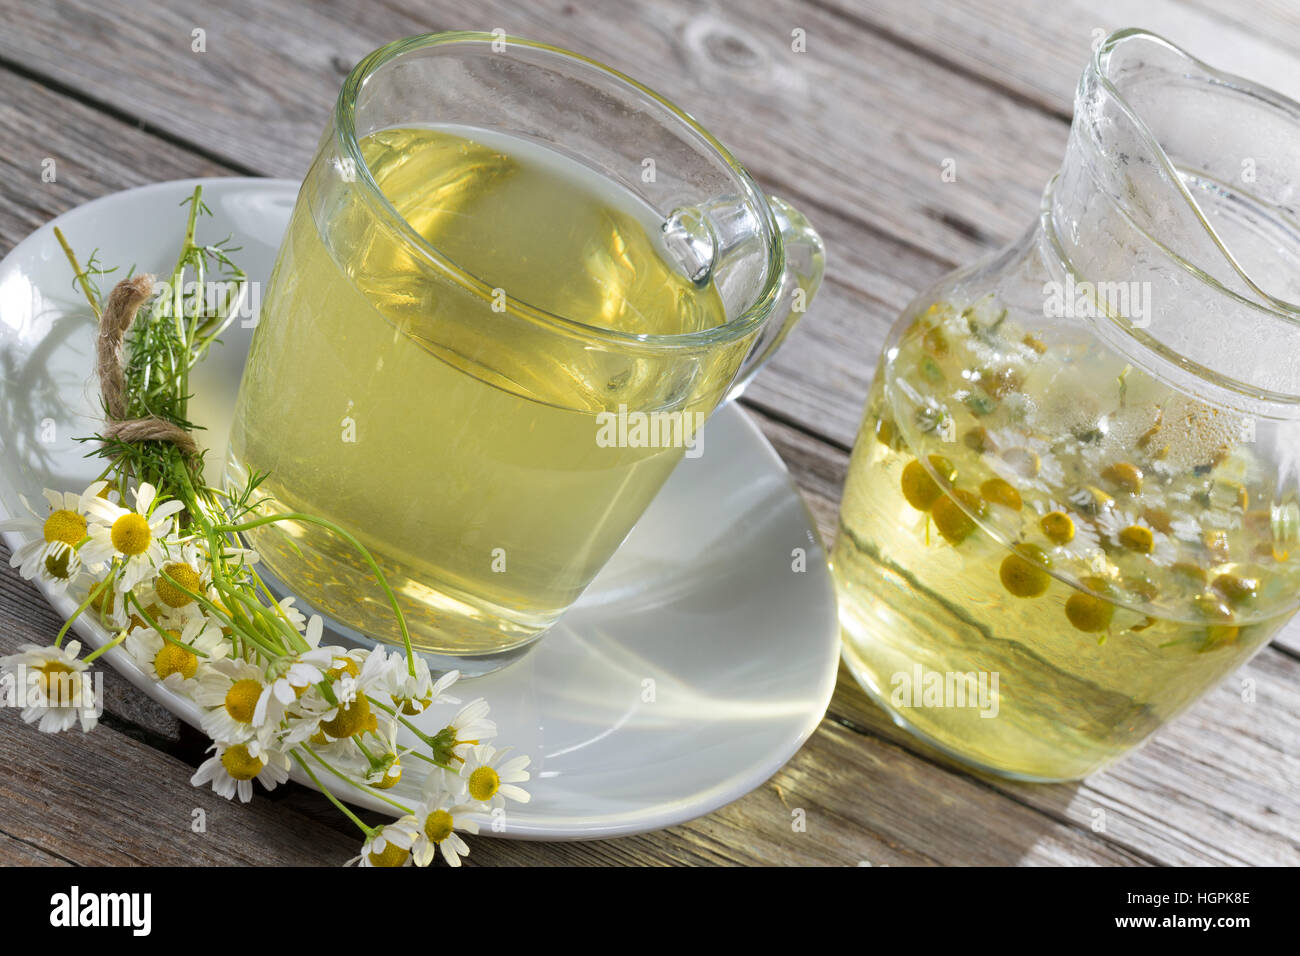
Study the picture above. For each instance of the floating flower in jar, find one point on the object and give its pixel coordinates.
(1134, 534)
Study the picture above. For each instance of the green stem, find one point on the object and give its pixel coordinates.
(425, 738)
(356, 783)
(158, 628)
(80, 273)
(95, 592)
(360, 549)
(368, 831)
(90, 658)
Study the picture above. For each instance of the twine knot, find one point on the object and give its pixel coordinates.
(123, 303)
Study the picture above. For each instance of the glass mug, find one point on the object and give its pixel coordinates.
(1072, 507)
(514, 284)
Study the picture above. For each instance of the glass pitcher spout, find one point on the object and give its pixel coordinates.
(1191, 174)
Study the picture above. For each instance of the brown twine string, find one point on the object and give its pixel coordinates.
(123, 303)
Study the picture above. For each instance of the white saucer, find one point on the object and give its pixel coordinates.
(694, 666)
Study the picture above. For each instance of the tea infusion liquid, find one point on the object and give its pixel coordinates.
(454, 435)
(1041, 510)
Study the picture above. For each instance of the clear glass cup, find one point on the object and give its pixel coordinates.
(453, 372)
(1072, 506)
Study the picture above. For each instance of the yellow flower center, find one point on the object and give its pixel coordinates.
(392, 855)
(351, 719)
(56, 565)
(241, 699)
(1127, 476)
(484, 783)
(131, 534)
(343, 665)
(240, 764)
(182, 577)
(1023, 572)
(1087, 612)
(921, 490)
(174, 659)
(391, 776)
(412, 706)
(952, 521)
(58, 682)
(437, 825)
(1058, 527)
(1137, 538)
(66, 526)
(1001, 492)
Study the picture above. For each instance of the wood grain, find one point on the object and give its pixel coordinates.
(108, 800)
(854, 132)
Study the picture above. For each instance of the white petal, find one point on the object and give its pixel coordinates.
(165, 510)
(144, 496)
(102, 510)
(514, 793)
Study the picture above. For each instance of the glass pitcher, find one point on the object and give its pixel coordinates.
(1072, 505)
(513, 286)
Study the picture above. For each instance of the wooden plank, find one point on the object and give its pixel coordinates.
(108, 800)
(93, 154)
(1275, 22)
(1218, 786)
(824, 780)
(14, 852)
(1037, 51)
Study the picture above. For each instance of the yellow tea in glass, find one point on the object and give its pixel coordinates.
(469, 288)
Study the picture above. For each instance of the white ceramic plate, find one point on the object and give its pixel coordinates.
(700, 605)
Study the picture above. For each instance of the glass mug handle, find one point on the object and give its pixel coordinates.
(805, 262)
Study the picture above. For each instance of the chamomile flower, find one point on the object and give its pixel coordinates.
(416, 693)
(1026, 462)
(434, 823)
(1066, 534)
(389, 846)
(295, 675)
(234, 767)
(1136, 535)
(297, 620)
(133, 536)
(233, 690)
(1188, 528)
(177, 666)
(353, 676)
(384, 770)
(52, 551)
(490, 778)
(468, 728)
(183, 569)
(54, 685)
(61, 569)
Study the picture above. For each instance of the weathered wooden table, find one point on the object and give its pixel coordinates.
(857, 131)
